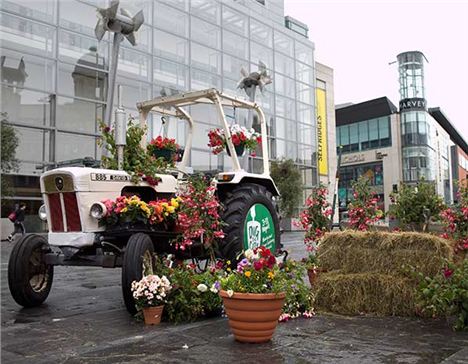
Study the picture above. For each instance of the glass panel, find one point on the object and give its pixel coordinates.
(235, 45)
(133, 64)
(353, 138)
(171, 47)
(78, 17)
(87, 51)
(280, 127)
(81, 81)
(181, 4)
(232, 66)
(266, 100)
(305, 74)
(281, 149)
(24, 106)
(344, 135)
(304, 53)
(363, 134)
(27, 71)
(74, 146)
(284, 65)
(132, 92)
(234, 21)
(206, 9)
(168, 18)
(260, 32)
(284, 85)
(203, 161)
(26, 36)
(305, 113)
(43, 10)
(78, 115)
(305, 134)
(143, 39)
(202, 80)
(200, 135)
(285, 107)
(291, 150)
(305, 93)
(291, 129)
(284, 44)
(205, 33)
(260, 53)
(33, 147)
(206, 59)
(170, 74)
(305, 156)
(230, 87)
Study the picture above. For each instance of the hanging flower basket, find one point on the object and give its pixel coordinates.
(167, 154)
(162, 147)
(240, 150)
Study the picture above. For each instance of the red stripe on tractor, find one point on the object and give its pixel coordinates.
(56, 212)
(71, 210)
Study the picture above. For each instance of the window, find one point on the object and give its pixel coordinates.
(170, 47)
(284, 65)
(78, 17)
(80, 81)
(134, 64)
(305, 74)
(373, 133)
(173, 20)
(202, 80)
(234, 21)
(206, 9)
(170, 74)
(78, 115)
(353, 138)
(284, 44)
(44, 10)
(260, 32)
(75, 146)
(232, 67)
(205, 33)
(260, 53)
(304, 53)
(33, 148)
(285, 107)
(236, 45)
(206, 59)
(363, 129)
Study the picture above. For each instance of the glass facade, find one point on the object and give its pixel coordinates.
(364, 135)
(54, 74)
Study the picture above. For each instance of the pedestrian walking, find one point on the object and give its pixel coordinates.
(17, 217)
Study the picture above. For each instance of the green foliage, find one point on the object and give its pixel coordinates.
(447, 293)
(299, 297)
(9, 143)
(413, 205)
(210, 299)
(137, 161)
(288, 179)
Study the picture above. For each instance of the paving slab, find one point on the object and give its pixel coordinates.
(84, 321)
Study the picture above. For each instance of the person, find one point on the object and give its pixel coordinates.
(18, 223)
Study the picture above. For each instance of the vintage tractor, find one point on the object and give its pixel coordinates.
(72, 207)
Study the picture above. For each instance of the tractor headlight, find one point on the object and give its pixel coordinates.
(98, 210)
(42, 213)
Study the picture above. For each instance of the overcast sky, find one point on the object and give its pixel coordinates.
(359, 39)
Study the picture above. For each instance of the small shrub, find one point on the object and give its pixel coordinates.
(363, 211)
(447, 293)
(288, 179)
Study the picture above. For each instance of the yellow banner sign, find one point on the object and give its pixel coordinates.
(322, 147)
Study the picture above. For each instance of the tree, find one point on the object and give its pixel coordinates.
(288, 179)
(414, 206)
(8, 157)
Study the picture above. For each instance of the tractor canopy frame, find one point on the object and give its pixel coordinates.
(174, 106)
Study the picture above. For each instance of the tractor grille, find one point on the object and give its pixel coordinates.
(72, 215)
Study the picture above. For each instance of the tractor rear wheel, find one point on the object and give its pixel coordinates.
(251, 220)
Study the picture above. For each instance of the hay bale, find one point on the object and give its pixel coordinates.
(362, 293)
(383, 252)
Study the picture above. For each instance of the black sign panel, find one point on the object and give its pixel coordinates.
(414, 103)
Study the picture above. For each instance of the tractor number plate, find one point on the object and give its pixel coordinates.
(106, 177)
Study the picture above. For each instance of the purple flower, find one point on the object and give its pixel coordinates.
(217, 285)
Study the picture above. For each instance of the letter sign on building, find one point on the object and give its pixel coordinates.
(322, 146)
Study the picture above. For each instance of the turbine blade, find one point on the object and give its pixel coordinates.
(138, 20)
(131, 38)
(99, 30)
(261, 66)
(244, 72)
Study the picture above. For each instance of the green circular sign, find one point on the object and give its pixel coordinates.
(259, 228)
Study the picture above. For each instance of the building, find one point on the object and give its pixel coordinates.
(54, 77)
(392, 145)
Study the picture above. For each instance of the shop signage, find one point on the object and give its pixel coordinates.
(322, 146)
(413, 104)
(353, 158)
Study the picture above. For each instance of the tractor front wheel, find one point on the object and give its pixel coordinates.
(138, 246)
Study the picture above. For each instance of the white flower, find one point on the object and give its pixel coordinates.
(213, 288)
(202, 287)
(230, 292)
(249, 254)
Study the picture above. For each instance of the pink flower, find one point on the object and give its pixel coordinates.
(448, 272)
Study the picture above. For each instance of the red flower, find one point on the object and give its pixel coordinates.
(258, 265)
(448, 272)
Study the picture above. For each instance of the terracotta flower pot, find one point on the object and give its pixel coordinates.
(153, 315)
(253, 316)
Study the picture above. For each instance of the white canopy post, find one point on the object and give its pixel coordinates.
(222, 116)
(188, 142)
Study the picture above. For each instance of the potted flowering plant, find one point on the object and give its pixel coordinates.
(241, 137)
(209, 286)
(254, 295)
(316, 222)
(150, 294)
(162, 147)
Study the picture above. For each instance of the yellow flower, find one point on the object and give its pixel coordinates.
(170, 209)
(125, 209)
(271, 275)
(174, 202)
(248, 274)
